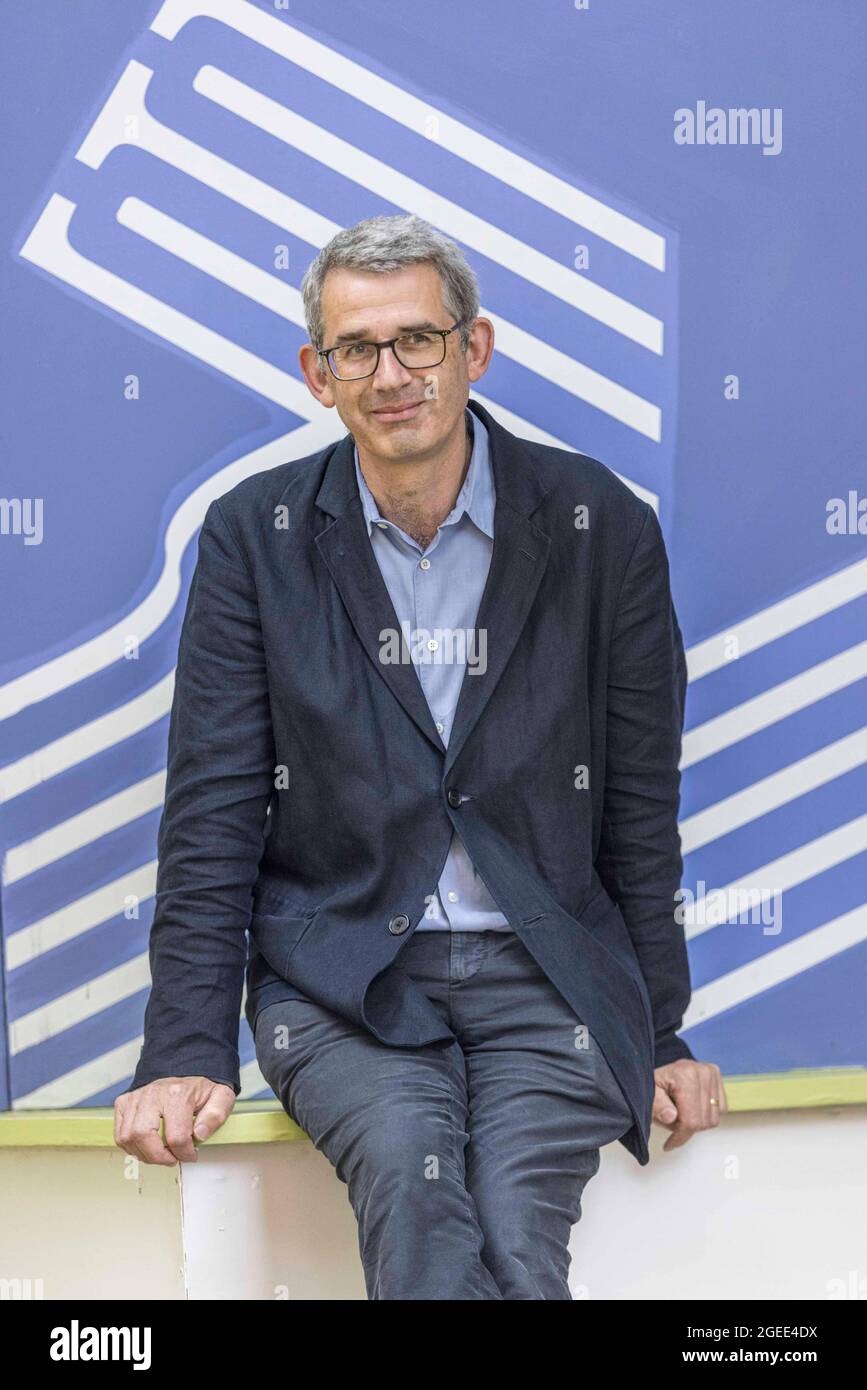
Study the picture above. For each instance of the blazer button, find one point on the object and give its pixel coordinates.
(454, 796)
(398, 925)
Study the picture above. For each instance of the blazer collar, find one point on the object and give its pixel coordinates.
(476, 497)
(515, 480)
(518, 561)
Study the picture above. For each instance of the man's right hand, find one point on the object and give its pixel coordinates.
(182, 1101)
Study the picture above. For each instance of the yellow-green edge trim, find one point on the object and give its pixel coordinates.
(265, 1122)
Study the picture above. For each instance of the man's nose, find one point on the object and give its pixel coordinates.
(390, 372)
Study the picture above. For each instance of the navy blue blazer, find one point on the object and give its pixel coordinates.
(310, 801)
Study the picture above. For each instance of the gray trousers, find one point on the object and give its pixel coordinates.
(465, 1161)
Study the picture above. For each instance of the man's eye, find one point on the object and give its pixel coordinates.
(357, 349)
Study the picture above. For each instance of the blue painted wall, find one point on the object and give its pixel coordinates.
(726, 261)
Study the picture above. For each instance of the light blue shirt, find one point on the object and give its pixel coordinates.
(436, 594)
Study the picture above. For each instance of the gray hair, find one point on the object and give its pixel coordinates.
(385, 244)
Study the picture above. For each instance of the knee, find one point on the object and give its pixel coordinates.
(395, 1155)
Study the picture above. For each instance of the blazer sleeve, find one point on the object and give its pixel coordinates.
(639, 859)
(220, 779)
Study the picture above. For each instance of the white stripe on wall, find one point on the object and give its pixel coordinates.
(87, 740)
(79, 1004)
(78, 1085)
(79, 830)
(80, 916)
(147, 617)
(422, 118)
(761, 711)
(775, 967)
(787, 871)
(352, 162)
(772, 792)
(259, 286)
(778, 619)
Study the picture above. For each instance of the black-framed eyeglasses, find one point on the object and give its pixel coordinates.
(426, 348)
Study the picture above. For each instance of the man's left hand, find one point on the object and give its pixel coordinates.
(682, 1101)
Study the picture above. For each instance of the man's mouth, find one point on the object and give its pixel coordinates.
(400, 412)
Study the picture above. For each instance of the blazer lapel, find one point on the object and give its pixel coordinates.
(518, 562)
(520, 555)
(346, 549)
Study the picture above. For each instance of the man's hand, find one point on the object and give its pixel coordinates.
(682, 1101)
(181, 1101)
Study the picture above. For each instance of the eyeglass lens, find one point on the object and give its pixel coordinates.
(413, 350)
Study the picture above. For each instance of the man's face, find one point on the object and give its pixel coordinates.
(398, 413)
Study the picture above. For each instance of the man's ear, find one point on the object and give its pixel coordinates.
(316, 374)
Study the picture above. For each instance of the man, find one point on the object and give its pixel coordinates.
(424, 745)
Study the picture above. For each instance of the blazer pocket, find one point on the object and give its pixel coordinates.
(595, 909)
(276, 935)
(606, 922)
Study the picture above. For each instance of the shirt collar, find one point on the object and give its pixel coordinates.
(476, 496)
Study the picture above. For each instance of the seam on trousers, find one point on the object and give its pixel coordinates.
(460, 1165)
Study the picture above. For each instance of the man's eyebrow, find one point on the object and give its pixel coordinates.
(364, 333)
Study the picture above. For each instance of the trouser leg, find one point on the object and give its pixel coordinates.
(392, 1122)
(542, 1102)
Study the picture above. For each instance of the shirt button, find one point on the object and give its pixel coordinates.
(398, 925)
(453, 897)
(432, 644)
(440, 727)
(424, 564)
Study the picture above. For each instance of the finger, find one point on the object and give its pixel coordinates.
(212, 1115)
(121, 1125)
(680, 1135)
(146, 1137)
(691, 1092)
(664, 1108)
(124, 1111)
(136, 1147)
(715, 1109)
(716, 1098)
(707, 1093)
(178, 1117)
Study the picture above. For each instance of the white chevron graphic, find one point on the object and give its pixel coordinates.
(532, 353)
(420, 117)
(107, 647)
(280, 122)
